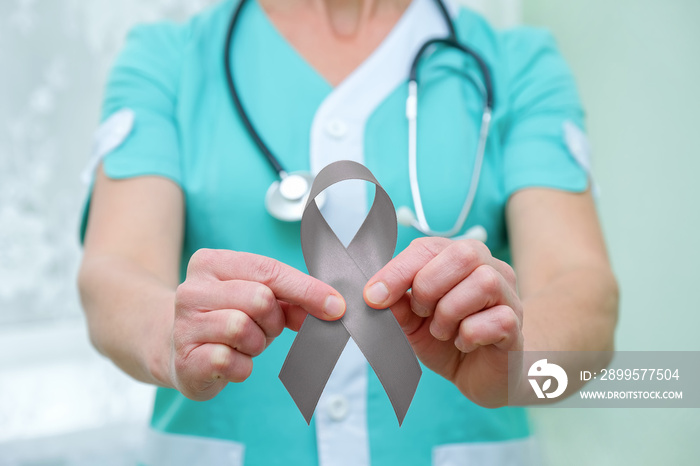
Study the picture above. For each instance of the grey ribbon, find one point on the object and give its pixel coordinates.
(318, 345)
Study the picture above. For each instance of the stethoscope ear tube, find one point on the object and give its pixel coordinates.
(418, 220)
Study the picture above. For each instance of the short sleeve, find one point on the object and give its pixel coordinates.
(144, 80)
(543, 101)
(143, 83)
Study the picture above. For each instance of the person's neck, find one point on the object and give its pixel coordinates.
(334, 36)
(345, 18)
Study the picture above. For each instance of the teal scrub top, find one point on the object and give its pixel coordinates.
(171, 75)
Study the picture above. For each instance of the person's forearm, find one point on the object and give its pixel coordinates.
(576, 311)
(130, 316)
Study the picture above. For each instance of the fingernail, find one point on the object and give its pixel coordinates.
(378, 293)
(437, 332)
(419, 309)
(334, 306)
(220, 356)
(460, 344)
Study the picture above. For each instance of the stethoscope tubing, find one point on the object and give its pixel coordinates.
(233, 92)
(420, 221)
(417, 221)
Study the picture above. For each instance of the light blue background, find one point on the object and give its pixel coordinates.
(636, 62)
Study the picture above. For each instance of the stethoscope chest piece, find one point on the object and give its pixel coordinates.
(285, 199)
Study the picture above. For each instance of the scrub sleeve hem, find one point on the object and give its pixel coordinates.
(573, 183)
(120, 173)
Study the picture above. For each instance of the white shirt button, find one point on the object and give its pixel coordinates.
(338, 407)
(336, 128)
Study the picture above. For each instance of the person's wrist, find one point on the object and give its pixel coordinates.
(158, 362)
(158, 352)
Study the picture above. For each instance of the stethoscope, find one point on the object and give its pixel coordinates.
(285, 198)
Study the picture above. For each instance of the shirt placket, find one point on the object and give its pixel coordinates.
(337, 133)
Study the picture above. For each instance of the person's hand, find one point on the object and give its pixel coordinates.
(230, 308)
(462, 314)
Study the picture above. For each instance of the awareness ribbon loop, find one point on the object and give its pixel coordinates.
(318, 345)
